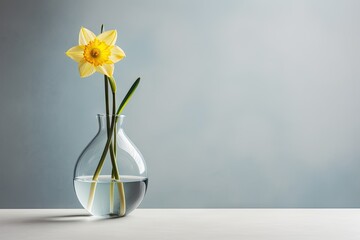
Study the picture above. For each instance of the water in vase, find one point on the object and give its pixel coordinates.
(106, 200)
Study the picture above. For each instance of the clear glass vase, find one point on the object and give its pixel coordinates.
(110, 183)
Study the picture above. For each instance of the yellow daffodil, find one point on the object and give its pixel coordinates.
(96, 53)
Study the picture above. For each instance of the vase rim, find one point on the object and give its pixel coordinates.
(110, 115)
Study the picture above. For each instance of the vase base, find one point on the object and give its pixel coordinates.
(103, 197)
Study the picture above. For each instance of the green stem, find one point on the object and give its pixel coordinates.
(115, 131)
(107, 104)
(107, 109)
(109, 146)
(114, 163)
(115, 128)
(115, 170)
(112, 192)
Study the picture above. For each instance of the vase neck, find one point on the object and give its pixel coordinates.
(104, 120)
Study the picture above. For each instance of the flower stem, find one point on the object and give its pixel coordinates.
(107, 104)
(112, 192)
(115, 171)
(114, 163)
(107, 109)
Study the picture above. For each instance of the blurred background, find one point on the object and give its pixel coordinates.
(241, 104)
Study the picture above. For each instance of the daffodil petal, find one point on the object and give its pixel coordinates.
(76, 53)
(116, 54)
(107, 69)
(109, 37)
(86, 69)
(85, 36)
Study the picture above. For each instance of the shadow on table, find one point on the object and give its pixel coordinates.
(72, 218)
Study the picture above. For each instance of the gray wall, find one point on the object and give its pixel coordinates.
(242, 103)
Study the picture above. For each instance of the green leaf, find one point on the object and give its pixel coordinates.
(112, 84)
(128, 96)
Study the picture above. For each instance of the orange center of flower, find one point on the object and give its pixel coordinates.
(97, 52)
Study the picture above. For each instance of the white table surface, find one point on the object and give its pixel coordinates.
(148, 224)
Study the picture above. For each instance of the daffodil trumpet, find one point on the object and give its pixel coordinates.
(98, 54)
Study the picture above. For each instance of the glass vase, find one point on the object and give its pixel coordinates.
(110, 176)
